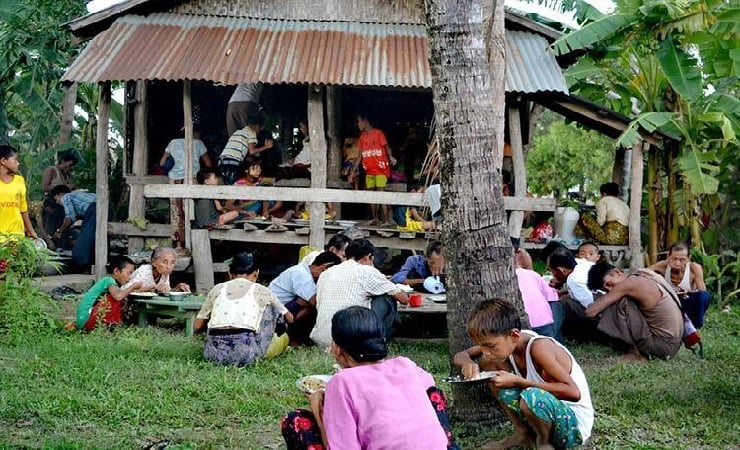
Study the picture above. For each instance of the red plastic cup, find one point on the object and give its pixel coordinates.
(415, 300)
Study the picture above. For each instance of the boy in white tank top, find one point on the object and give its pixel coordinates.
(536, 380)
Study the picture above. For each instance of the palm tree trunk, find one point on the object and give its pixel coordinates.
(68, 113)
(469, 113)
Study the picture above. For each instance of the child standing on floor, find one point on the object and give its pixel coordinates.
(14, 218)
(376, 162)
(537, 382)
(103, 302)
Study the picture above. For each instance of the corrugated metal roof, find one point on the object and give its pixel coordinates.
(229, 50)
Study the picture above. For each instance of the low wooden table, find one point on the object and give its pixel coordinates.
(162, 306)
(427, 307)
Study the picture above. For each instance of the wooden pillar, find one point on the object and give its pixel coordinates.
(636, 260)
(520, 176)
(315, 116)
(187, 107)
(101, 181)
(202, 261)
(335, 156)
(140, 162)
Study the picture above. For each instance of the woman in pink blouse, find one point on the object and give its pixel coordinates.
(374, 402)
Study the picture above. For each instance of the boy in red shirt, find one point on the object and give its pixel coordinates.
(376, 161)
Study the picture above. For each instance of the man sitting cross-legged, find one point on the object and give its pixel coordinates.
(296, 289)
(640, 310)
(355, 282)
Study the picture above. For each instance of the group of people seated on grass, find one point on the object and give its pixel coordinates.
(337, 299)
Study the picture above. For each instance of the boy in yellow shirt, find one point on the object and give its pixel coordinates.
(14, 218)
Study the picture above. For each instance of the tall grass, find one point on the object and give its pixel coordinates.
(133, 387)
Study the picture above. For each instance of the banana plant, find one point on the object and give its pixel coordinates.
(672, 66)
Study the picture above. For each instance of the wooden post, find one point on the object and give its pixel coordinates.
(187, 107)
(136, 201)
(101, 181)
(636, 260)
(520, 175)
(315, 116)
(335, 157)
(202, 260)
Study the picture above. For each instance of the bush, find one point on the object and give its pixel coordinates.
(24, 308)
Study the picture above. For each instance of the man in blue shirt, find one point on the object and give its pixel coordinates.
(296, 289)
(418, 267)
(78, 205)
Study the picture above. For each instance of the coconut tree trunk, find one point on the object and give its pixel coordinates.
(469, 113)
(68, 113)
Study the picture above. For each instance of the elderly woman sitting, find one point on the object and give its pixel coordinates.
(241, 316)
(155, 276)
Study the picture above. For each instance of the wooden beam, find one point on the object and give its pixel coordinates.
(321, 195)
(202, 260)
(136, 202)
(261, 236)
(520, 175)
(636, 260)
(187, 204)
(101, 180)
(613, 123)
(318, 163)
(126, 229)
(146, 179)
(333, 115)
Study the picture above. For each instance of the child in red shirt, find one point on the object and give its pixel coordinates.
(376, 161)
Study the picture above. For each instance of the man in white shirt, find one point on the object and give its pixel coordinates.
(355, 282)
(295, 287)
(572, 273)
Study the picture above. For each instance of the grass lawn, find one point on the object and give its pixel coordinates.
(134, 387)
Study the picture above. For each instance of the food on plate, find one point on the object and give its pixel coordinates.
(313, 383)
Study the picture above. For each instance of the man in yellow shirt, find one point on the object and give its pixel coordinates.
(14, 218)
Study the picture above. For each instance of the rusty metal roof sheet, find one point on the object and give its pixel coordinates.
(229, 50)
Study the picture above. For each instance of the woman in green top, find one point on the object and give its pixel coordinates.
(101, 304)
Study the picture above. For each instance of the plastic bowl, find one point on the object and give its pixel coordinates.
(177, 296)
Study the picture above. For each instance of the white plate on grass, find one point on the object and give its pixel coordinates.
(313, 383)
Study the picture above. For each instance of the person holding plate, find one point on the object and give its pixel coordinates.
(365, 402)
(537, 381)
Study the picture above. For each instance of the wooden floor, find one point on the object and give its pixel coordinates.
(78, 282)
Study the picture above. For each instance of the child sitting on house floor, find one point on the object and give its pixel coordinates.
(408, 218)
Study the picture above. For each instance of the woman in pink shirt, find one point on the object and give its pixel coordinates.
(536, 295)
(373, 403)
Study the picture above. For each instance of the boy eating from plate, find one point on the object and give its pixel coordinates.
(537, 382)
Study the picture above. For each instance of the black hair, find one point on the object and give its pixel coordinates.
(359, 248)
(678, 247)
(119, 262)
(365, 116)
(6, 151)
(338, 241)
(358, 331)
(256, 119)
(242, 264)
(60, 189)
(204, 174)
(549, 248)
(493, 317)
(251, 161)
(585, 243)
(326, 258)
(562, 257)
(610, 189)
(68, 156)
(434, 247)
(597, 273)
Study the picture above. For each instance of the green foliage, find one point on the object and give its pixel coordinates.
(24, 309)
(563, 156)
(721, 275)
